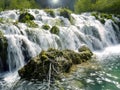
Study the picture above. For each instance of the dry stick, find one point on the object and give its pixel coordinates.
(49, 77)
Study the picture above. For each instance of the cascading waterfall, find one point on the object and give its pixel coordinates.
(26, 42)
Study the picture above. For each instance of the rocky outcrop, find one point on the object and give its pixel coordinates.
(53, 63)
(3, 53)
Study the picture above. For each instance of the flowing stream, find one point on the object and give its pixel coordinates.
(25, 42)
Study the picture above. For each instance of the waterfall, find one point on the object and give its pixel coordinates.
(25, 42)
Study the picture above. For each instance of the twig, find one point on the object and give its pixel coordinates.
(49, 77)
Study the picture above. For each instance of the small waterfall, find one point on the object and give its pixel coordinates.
(25, 42)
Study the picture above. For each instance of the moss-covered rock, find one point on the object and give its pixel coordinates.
(55, 30)
(46, 27)
(24, 17)
(31, 24)
(3, 53)
(53, 61)
(50, 12)
(66, 14)
(102, 16)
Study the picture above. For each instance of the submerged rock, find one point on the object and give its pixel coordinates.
(52, 63)
(3, 53)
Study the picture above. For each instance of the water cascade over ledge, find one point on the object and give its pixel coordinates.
(25, 41)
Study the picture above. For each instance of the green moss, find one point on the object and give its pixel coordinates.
(95, 14)
(46, 27)
(55, 30)
(1, 34)
(60, 61)
(31, 24)
(66, 13)
(102, 16)
(106, 16)
(50, 12)
(1, 20)
(25, 17)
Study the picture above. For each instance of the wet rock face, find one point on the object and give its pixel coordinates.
(54, 62)
(3, 53)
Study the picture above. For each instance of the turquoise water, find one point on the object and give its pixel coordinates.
(105, 78)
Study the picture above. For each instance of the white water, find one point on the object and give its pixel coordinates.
(25, 42)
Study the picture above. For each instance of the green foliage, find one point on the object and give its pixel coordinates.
(46, 27)
(50, 12)
(55, 30)
(109, 6)
(18, 4)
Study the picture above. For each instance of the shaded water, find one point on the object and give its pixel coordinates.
(25, 42)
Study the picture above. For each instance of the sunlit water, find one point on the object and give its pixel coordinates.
(25, 42)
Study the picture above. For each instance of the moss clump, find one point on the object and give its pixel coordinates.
(106, 16)
(25, 17)
(55, 30)
(102, 16)
(3, 53)
(60, 61)
(50, 12)
(66, 14)
(1, 20)
(31, 24)
(46, 27)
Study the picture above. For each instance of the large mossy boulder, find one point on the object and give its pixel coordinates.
(3, 53)
(25, 17)
(52, 63)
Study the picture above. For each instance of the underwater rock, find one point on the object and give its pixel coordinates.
(3, 53)
(54, 62)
